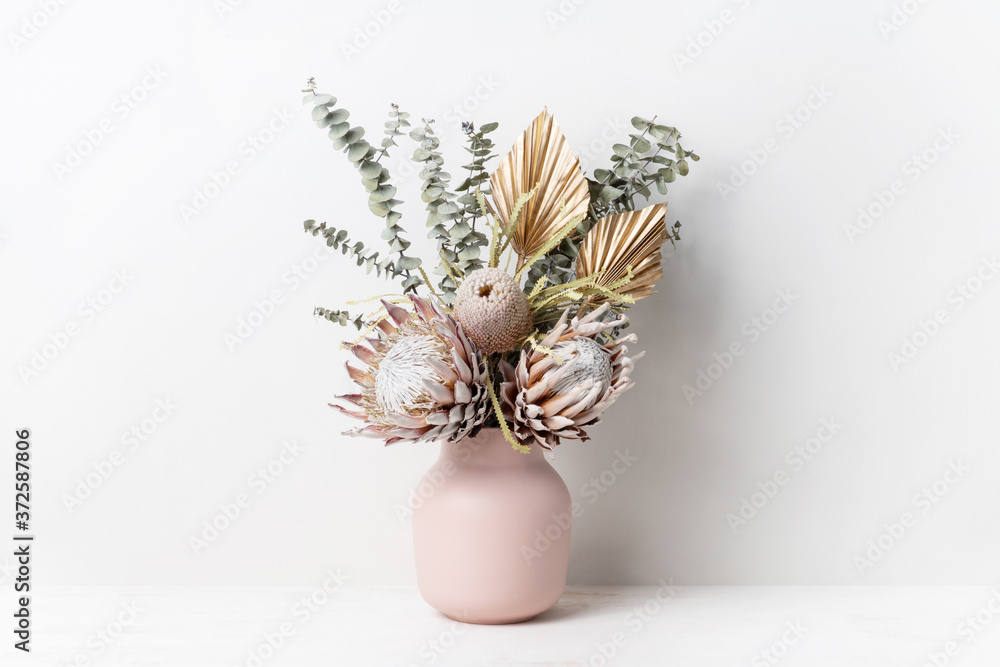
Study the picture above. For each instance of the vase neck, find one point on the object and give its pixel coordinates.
(489, 447)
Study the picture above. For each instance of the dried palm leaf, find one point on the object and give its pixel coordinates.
(542, 158)
(617, 243)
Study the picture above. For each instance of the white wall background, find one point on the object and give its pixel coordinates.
(594, 65)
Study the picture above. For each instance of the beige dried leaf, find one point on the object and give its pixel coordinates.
(541, 156)
(623, 241)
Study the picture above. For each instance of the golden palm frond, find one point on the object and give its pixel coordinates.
(618, 243)
(542, 158)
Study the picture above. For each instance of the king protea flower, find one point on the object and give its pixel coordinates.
(424, 379)
(556, 392)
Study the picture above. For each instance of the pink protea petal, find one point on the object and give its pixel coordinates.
(437, 418)
(398, 314)
(361, 352)
(377, 343)
(407, 433)
(446, 372)
(370, 431)
(462, 392)
(349, 413)
(557, 404)
(589, 400)
(506, 370)
(440, 393)
(462, 368)
(357, 375)
(424, 308)
(541, 367)
(406, 421)
(557, 422)
(537, 391)
(350, 398)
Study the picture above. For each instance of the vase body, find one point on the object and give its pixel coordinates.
(491, 531)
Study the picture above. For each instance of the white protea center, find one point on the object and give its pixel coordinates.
(585, 363)
(399, 380)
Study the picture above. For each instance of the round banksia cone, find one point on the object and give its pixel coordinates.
(493, 310)
(554, 395)
(424, 379)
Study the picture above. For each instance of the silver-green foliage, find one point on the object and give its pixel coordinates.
(442, 211)
(644, 163)
(469, 248)
(341, 317)
(374, 177)
(641, 164)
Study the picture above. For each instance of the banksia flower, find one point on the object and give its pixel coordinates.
(564, 384)
(493, 310)
(424, 380)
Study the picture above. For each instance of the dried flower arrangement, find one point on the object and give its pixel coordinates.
(534, 348)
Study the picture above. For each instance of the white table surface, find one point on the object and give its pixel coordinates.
(877, 626)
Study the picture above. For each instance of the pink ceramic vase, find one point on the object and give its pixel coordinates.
(491, 529)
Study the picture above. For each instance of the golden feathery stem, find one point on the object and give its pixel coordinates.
(378, 297)
(449, 269)
(508, 230)
(427, 281)
(368, 330)
(539, 284)
(547, 351)
(550, 244)
(508, 436)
